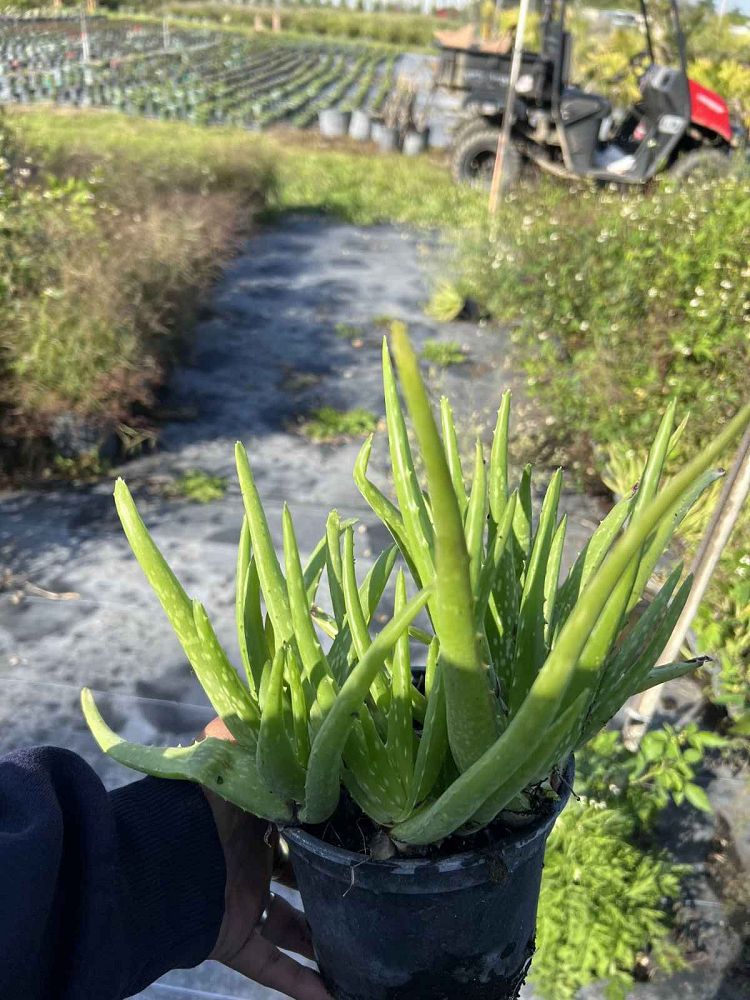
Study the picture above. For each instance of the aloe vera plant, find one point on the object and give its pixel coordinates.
(521, 666)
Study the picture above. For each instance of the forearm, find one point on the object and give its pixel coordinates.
(101, 893)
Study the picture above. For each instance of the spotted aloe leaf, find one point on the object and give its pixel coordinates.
(323, 773)
(226, 768)
(472, 719)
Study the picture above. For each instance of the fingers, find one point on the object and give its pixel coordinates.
(261, 961)
(286, 927)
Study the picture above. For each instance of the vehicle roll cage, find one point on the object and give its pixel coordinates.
(548, 19)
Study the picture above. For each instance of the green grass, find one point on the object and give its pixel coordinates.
(444, 353)
(329, 424)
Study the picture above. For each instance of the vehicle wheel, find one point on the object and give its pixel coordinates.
(470, 121)
(701, 165)
(474, 159)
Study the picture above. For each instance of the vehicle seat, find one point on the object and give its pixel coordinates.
(577, 104)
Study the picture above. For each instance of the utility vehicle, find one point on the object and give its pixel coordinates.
(676, 125)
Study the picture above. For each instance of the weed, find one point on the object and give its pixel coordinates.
(446, 304)
(444, 353)
(329, 424)
(198, 486)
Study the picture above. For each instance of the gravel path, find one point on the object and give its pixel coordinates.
(77, 610)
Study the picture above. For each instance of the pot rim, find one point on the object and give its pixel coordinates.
(470, 867)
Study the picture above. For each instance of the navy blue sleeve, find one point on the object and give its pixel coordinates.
(101, 893)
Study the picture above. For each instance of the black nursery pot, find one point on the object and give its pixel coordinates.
(457, 928)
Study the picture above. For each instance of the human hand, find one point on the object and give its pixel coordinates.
(257, 924)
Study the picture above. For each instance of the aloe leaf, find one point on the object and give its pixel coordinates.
(671, 671)
(590, 558)
(452, 454)
(228, 695)
(376, 580)
(433, 743)
(400, 722)
(472, 724)
(322, 785)
(269, 571)
(244, 551)
(622, 677)
(649, 482)
(368, 797)
(661, 538)
(462, 799)
(173, 599)
(367, 757)
(642, 630)
(417, 524)
(552, 576)
(498, 477)
(491, 572)
(355, 618)
(313, 570)
(386, 512)
(324, 699)
(530, 645)
(276, 760)
(226, 768)
(555, 747)
(431, 666)
(522, 522)
(248, 613)
(311, 654)
(334, 568)
(476, 517)
(299, 707)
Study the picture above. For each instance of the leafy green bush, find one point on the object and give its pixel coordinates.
(621, 301)
(605, 883)
(601, 905)
(106, 247)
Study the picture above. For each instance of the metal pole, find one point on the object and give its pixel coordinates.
(728, 507)
(165, 32)
(510, 103)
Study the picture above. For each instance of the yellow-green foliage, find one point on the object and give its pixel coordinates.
(623, 299)
(407, 30)
(110, 237)
(602, 902)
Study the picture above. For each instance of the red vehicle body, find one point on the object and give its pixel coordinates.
(709, 111)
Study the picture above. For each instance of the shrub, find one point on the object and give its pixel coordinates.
(107, 247)
(621, 300)
(601, 904)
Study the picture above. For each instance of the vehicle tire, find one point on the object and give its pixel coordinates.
(701, 165)
(474, 159)
(470, 121)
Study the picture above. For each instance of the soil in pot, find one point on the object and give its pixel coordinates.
(456, 922)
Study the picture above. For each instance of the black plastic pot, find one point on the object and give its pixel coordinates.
(457, 928)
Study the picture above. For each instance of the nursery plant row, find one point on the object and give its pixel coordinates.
(200, 76)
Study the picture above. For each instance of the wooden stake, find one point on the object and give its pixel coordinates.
(510, 103)
(728, 507)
